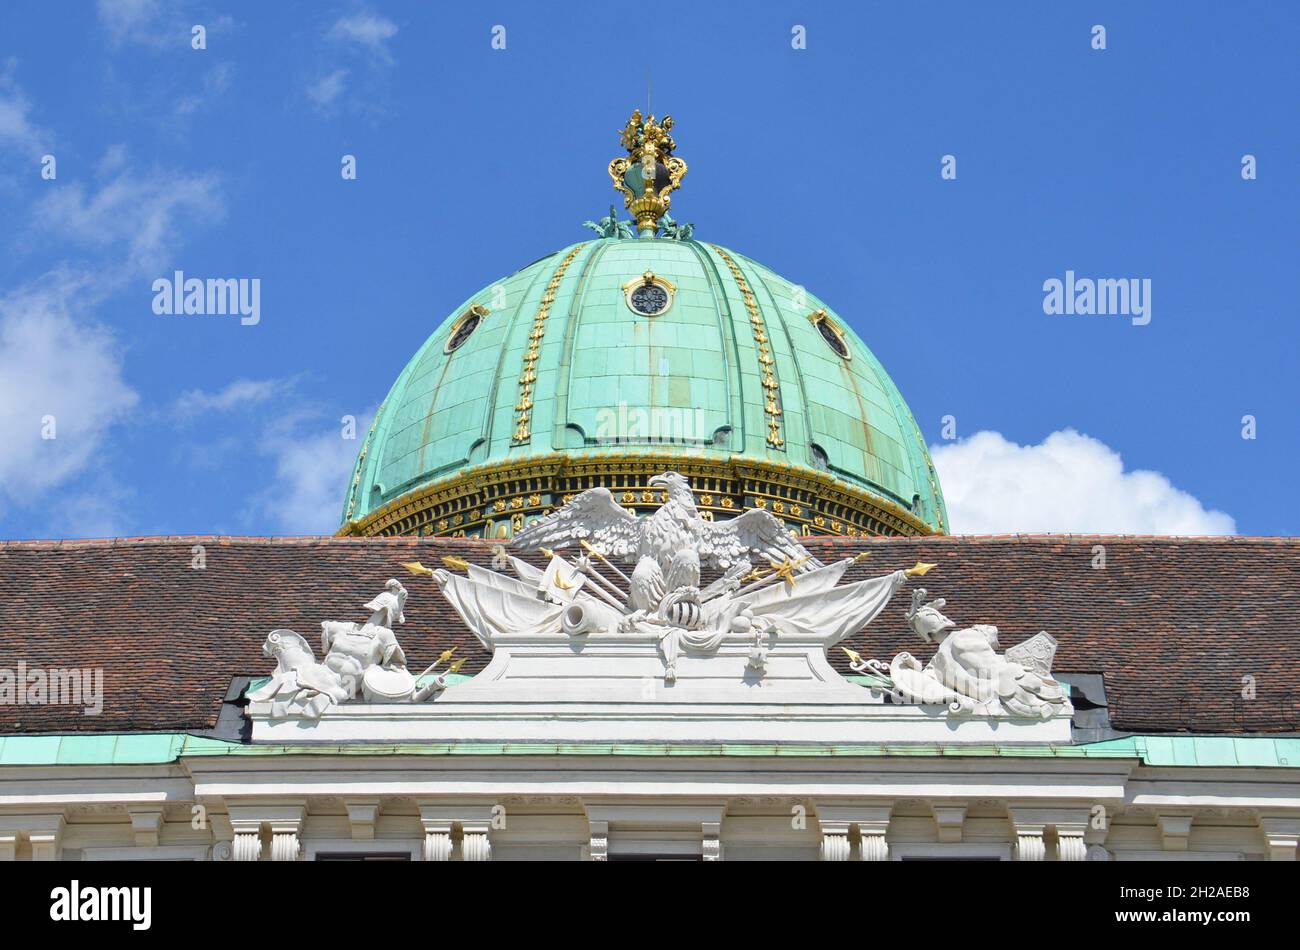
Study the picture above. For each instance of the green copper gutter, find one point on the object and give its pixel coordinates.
(163, 748)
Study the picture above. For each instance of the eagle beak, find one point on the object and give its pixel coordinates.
(657, 481)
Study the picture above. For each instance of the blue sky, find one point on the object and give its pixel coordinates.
(823, 163)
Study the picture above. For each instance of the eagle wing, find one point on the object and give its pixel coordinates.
(757, 532)
(594, 517)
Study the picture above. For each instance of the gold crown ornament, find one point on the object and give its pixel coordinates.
(650, 172)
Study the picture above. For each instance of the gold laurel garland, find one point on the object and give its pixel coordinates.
(766, 364)
(528, 374)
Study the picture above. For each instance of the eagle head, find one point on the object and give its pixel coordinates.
(679, 488)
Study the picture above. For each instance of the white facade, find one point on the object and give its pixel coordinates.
(594, 807)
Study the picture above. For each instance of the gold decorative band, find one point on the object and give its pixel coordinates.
(528, 374)
(495, 500)
(766, 364)
(361, 461)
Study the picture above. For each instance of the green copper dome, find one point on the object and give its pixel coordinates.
(612, 360)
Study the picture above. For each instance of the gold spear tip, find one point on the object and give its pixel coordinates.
(415, 567)
(920, 569)
(455, 563)
(854, 656)
(455, 667)
(861, 556)
(547, 552)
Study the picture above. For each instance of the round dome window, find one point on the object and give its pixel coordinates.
(648, 295)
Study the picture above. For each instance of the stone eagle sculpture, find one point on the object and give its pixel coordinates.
(669, 546)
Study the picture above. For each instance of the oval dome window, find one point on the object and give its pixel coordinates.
(832, 334)
(464, 327)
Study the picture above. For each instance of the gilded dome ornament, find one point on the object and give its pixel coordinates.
(650, 172)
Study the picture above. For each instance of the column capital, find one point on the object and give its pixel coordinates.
(711, 832)
(43, 833)
(872, 820)
(1282, 835)
(598, 845)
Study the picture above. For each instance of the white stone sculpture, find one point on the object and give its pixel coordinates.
(299, 684)
(792, 593)
(968, 673)
(618, 640)
(360, 660)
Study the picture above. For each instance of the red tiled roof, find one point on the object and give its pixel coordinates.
(1173, 623)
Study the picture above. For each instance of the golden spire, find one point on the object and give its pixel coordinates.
(649, 172)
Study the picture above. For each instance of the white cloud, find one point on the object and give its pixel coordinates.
(97, 510)
(361, 86)
(113, 161)
(134, 21)
(57, 361)
(367, 30)
(159, 24)
(325, 90)
(1069, 483)
(17, 131)
(215, 83)
(240, 393)
(140, 215)
(52, 364)
(312, 468)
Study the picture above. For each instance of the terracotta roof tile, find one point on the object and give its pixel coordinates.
(1173, 623)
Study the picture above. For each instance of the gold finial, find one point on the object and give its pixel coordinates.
(456, 563)
(920, 569)
(415, 567)
(650, 172)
